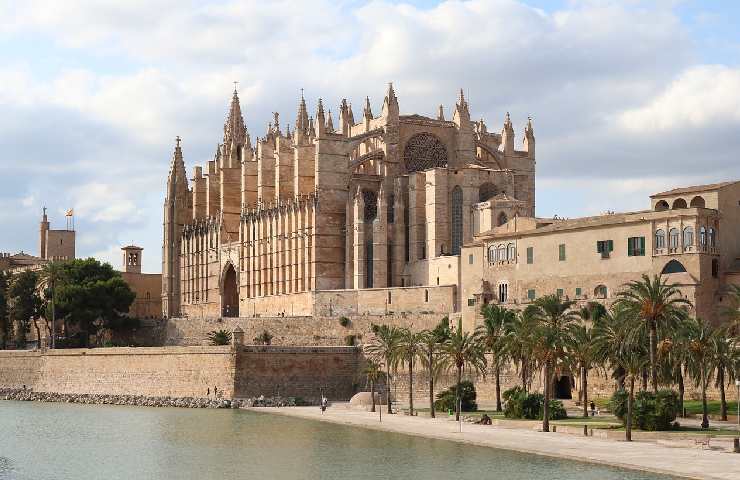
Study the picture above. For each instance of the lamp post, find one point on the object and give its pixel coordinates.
(737, 398)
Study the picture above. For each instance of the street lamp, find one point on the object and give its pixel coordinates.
(737, 384)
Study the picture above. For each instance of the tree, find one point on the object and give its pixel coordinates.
(219, 337)
(582, 354)
(92, 295)
(264, 338)
(492, 333)
(25, 305)
(373, 372)
(431, 359)
(657, 304)
(518, 343)
(701, 337)
(5, 322)
(553, 322)
(731, 312)
(462, 350)
(410, 348)
(724, 362)
(49, 276)
(383, 348)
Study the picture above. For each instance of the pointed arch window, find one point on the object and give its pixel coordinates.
(511, 252)
(457, 219)
(688, 237)
(659, 238)
(491, 254)
(673, 237)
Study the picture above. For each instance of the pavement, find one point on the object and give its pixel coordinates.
(678, 459)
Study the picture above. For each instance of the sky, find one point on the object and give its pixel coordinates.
(627, 98)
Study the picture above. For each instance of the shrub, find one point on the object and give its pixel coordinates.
(650, 411)
(349, 340)
(219, 337)
(344, 321)
(446, 399)
(264, 338)
(519, 404)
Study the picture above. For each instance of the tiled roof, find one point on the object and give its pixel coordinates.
(693, 189)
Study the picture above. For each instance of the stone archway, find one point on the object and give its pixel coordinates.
(230, 293)
(562, 388)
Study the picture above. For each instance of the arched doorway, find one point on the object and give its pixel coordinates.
(563, 388)
(230, 293)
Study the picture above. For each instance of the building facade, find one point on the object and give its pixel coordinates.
(689, 236)
(381, 203)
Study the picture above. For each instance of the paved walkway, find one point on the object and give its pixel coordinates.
(689, 462)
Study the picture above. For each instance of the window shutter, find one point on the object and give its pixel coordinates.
(598, 246)
(629, 246)
(642, 246)
(611, 245)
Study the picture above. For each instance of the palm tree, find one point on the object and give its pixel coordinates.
(732, 311)
(432, 341)
(724, 363)
(463, 349)
(672, 357)
(373, 372)
(492, 333)
(553, 322)
(582, 354)
(518, 342)
(701, 337)
(656, 303)
(615, 345)
(384, 350)
(410, 348)
(49, 276)
(219, 337)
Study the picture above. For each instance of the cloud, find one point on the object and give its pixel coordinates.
(619, 99)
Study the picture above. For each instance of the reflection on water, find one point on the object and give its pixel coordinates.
(63, 441)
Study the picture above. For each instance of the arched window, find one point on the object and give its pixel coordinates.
(661, 205)
(659, 238)
(712, 240)
(601, 291)
(703, 236)
(371, 205)
(501, 253)
(457, 219)
(688, 237)
(512, 252)
(697, 202)
(502, 219)
(492, 254)
(424, 151)
(674, 266)
(486, 191)
(673, 238)
(369, 264)
(679, 203)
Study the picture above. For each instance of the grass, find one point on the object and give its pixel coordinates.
(694, 407)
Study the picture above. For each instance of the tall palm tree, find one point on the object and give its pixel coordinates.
(373, 373)
(518, 343)
(461, 350)
(431, 359)
(701, 337)
(672, 357)
(655, 303)
(383, 348)
(581, 353)
(553, 321)
(492, 333)
(724, 364)
(410, 348)
(731, 312)
(49, 276)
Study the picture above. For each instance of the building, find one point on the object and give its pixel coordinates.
(147, 286)
(53, 245)
(377, 209)
(689, 236)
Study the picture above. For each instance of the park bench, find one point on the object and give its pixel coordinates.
(702, 442)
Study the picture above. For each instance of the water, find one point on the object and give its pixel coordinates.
(45, 441)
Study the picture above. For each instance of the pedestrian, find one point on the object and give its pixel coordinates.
(208, 392)
(324, 403)
(215, 391)
(593, 408)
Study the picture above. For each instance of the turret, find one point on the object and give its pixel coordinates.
(390, 105)
(345, 123)
(329, 123)
(462, 115)
(529, 138)
(43, 229)
(367, 113)
(441, 113)
(507, 136)
(320, 120)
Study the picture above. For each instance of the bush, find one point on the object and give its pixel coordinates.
(446, 399)
(650, 411)
(264, 338)
(519, 404)
(350, 340)
(219, 337)
(344, 321)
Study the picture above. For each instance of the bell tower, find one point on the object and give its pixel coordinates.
(132, 259)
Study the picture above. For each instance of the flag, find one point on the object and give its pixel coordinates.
(70, 212)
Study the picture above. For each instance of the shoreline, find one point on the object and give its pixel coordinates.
(681, 462)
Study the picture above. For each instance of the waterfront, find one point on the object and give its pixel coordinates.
(43, 441)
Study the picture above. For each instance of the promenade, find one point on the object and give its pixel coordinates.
(679, 459)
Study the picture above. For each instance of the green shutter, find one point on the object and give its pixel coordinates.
(642, 246)
(599, 246)
(561, 251)
(530, 255)
(530, 294)
(611, 245)
(630, 246)
(559, 292)
(578, 291)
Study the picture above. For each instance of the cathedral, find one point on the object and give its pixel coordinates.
(381, 203)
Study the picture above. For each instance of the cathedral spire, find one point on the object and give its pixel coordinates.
(234, 129)
(441, 113)
(367, 112)
(329, 123)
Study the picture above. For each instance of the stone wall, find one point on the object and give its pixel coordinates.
(19, 368)
(303, 372)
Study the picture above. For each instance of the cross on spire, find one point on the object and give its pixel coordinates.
(178, 140)
(236, 83)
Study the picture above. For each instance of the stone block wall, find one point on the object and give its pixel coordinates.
(19, 368)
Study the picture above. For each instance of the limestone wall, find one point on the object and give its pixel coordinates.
(303, 372)
(19, 368)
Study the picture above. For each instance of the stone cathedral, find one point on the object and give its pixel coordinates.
(376, 206)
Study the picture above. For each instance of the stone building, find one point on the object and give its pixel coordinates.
(53, 245)
(147, 286)
(689, 236)
(383, 203)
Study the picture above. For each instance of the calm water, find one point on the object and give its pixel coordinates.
(62, 441)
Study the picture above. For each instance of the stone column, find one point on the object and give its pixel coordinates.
(358, 234)
(380, 241)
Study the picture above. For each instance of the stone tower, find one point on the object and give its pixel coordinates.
(132, 259)
(43, 229)
(177, 212)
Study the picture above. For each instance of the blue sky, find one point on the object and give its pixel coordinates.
(628, 98)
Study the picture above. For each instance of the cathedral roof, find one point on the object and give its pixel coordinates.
(234, 128)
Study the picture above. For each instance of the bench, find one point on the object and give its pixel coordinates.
(702, 442)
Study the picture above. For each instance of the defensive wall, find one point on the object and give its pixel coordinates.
(241, 371)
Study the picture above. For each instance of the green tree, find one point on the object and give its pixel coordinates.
(518, 344)
(25, 305)
(731, 312)
(383, 348)
(492, 333)
(724, 364)
(49, 277)
(461, 350)
(581, 353)
(657, 304)
(410, 349)
(219, 337)
(5, 322)
(553, 322)
(701, 337)
(373, 373)
(431, 359)
(93, 296)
